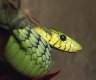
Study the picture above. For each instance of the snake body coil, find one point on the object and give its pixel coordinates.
(28, 52)
(28, 49)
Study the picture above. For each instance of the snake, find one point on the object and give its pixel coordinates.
(28, 49)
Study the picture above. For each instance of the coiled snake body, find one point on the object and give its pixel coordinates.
(28, 49)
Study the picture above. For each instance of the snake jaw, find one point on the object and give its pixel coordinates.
(75, 47)
(70, 45)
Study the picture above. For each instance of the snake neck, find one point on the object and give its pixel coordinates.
(45, 33)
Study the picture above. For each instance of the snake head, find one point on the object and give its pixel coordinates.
(59, 40)
(63, 42)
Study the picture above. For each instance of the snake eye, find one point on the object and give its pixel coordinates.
(63, 37)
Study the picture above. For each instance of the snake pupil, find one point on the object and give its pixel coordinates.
(63, 37)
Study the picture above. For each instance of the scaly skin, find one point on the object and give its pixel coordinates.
(28, 52)
(28, 49)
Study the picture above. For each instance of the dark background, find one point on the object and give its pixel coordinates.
(76, 18)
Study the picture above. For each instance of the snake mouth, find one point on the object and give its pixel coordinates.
(77, 47)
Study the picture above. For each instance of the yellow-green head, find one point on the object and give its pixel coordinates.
(59, 40)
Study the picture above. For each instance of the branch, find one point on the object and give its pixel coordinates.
(28, 15)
